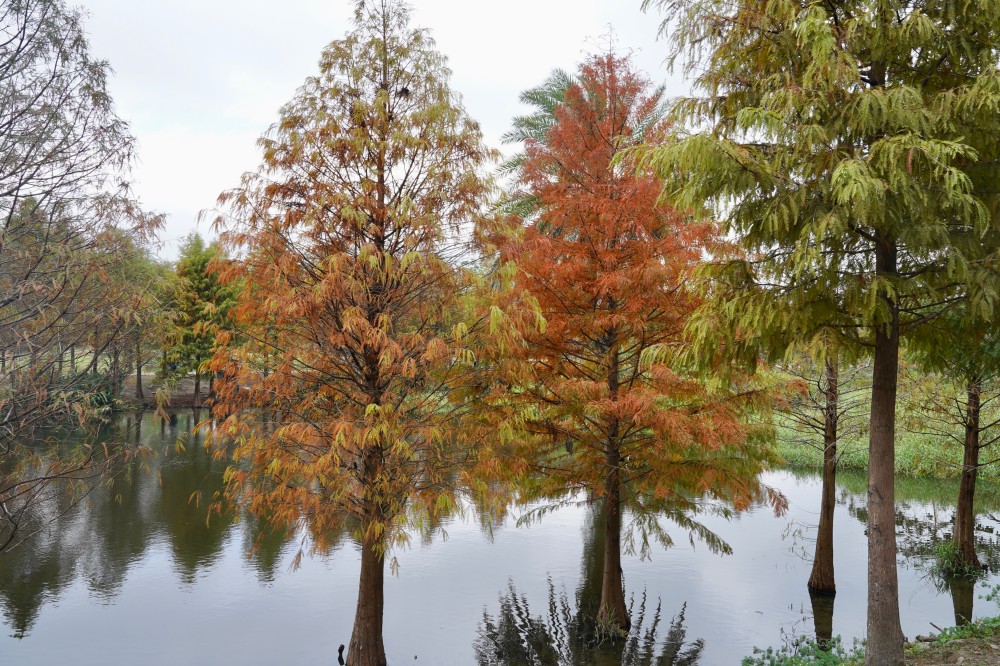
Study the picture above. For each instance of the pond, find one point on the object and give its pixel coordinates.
(136, 573)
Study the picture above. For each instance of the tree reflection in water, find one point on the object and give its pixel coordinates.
(155, 500)
(925, 513)
(963, 593)
(571, 637)
(822, 608)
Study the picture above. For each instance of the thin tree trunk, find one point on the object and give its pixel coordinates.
(197, 388)
(885, 635)
(965, 513)
(138, 370)
(822, 577)
(116, 372)
(72, 360)
(59, 362)
(366, 647)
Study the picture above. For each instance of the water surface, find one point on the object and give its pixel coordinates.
(137, 574)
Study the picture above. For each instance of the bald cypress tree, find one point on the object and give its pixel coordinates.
(347, 324)
(839, 141)
(591, 399)
(960, 407)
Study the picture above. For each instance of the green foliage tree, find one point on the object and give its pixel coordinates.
(153, 303)
(958, 404)
(836, 141)
(201, 308)
(128, 329)
(543, 99)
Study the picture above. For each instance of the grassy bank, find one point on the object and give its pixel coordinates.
(916, 456)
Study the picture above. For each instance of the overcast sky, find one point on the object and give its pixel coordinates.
(200, 80)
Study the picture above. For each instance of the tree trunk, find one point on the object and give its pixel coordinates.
(612, 606)
(366, 647)
(885, 635)
(592, 566)
(965, 513)
(72, 360)
(59, 362)
(822, 578)
(138, 370)
(197, 389)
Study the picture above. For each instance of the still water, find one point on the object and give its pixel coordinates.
(135, 574)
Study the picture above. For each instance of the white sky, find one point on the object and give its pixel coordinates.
(200, 80)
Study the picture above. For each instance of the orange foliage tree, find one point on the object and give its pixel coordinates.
(341, 381)
(600, 277)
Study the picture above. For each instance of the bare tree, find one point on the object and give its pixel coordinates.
(65, 213)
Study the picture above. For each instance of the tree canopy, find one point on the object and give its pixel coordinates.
(346, 327)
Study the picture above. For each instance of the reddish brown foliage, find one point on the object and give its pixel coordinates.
(600, 402)
(341, 383)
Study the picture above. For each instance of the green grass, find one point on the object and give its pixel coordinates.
(987, 627)
(916, 456)
(805, 651)
(948, 562)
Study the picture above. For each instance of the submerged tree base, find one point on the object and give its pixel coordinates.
(952, 561)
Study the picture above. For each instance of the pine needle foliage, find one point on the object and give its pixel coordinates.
(200, 309)
(844, 143)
